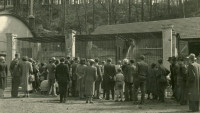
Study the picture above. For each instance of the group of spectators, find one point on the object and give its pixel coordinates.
(87, 78)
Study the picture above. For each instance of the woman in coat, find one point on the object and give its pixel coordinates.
(90, 77)
(27, 69)
(80, 71)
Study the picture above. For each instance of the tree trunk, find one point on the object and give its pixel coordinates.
(150, 15)
(109, 13)
(142, 11)
(168, 8)
(93, 13)
(86, 29)
(129, 11)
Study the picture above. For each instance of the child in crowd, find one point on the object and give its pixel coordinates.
(119, 81)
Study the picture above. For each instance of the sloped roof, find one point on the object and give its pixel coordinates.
(186, 27)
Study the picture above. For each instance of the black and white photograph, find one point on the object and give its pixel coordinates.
(99, 56)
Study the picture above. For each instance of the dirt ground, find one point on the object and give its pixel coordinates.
(38, 103)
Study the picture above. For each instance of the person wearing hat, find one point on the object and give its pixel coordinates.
(174, 67)
(3, 75)
(193, 83)
(140, 78)
(27, 69)
(51, 68)
(181, 81)
(109, 73)
(90, 78)
(62, 77)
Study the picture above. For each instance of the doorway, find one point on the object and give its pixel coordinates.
(194, 47)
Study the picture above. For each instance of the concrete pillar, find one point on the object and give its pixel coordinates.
(10, 53)
(167, 44)
(70, 44)
(174, 44)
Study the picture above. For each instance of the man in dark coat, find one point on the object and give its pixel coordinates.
(181, 81)
(74, 77)
(62, 76)
(140, 78)
(174, 72)
(3, 74)
(14, 69)
(128, 71)
(193, 84)
(162, 80)
(109, 73)
(98, 80)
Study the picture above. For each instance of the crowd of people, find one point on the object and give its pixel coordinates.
(87, 78)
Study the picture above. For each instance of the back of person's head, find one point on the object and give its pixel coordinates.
(42, 64)
(132, 61)
(24, 58)
(119, 70)
(96, 60)
(68, 57)
(125, 61)
(83, 61)
(50, 61)
(103, 62)
(109, 60)
(91, 62)
(142, 57)
(76, 59)
(57, 61)
(62, 59)
(30, 60)
(153, 65)
(160, 61)
(16, 55)
(2, 59)
(119, 62)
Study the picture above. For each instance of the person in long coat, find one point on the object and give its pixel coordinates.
(16, 78)
(51, 67)
(27, 69)
(140, 78)
(99, 79)
(181, 82)
(62, 76)
(74, 77)
(90, 77)
(14, 69)
(3, 75)
(162, 80)
(152, 82)
(81, 74)
(129, 69)
(193, 84)
(109, 73)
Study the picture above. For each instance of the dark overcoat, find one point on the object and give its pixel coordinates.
(194, 81)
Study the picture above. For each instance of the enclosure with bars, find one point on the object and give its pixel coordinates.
(120, 46)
